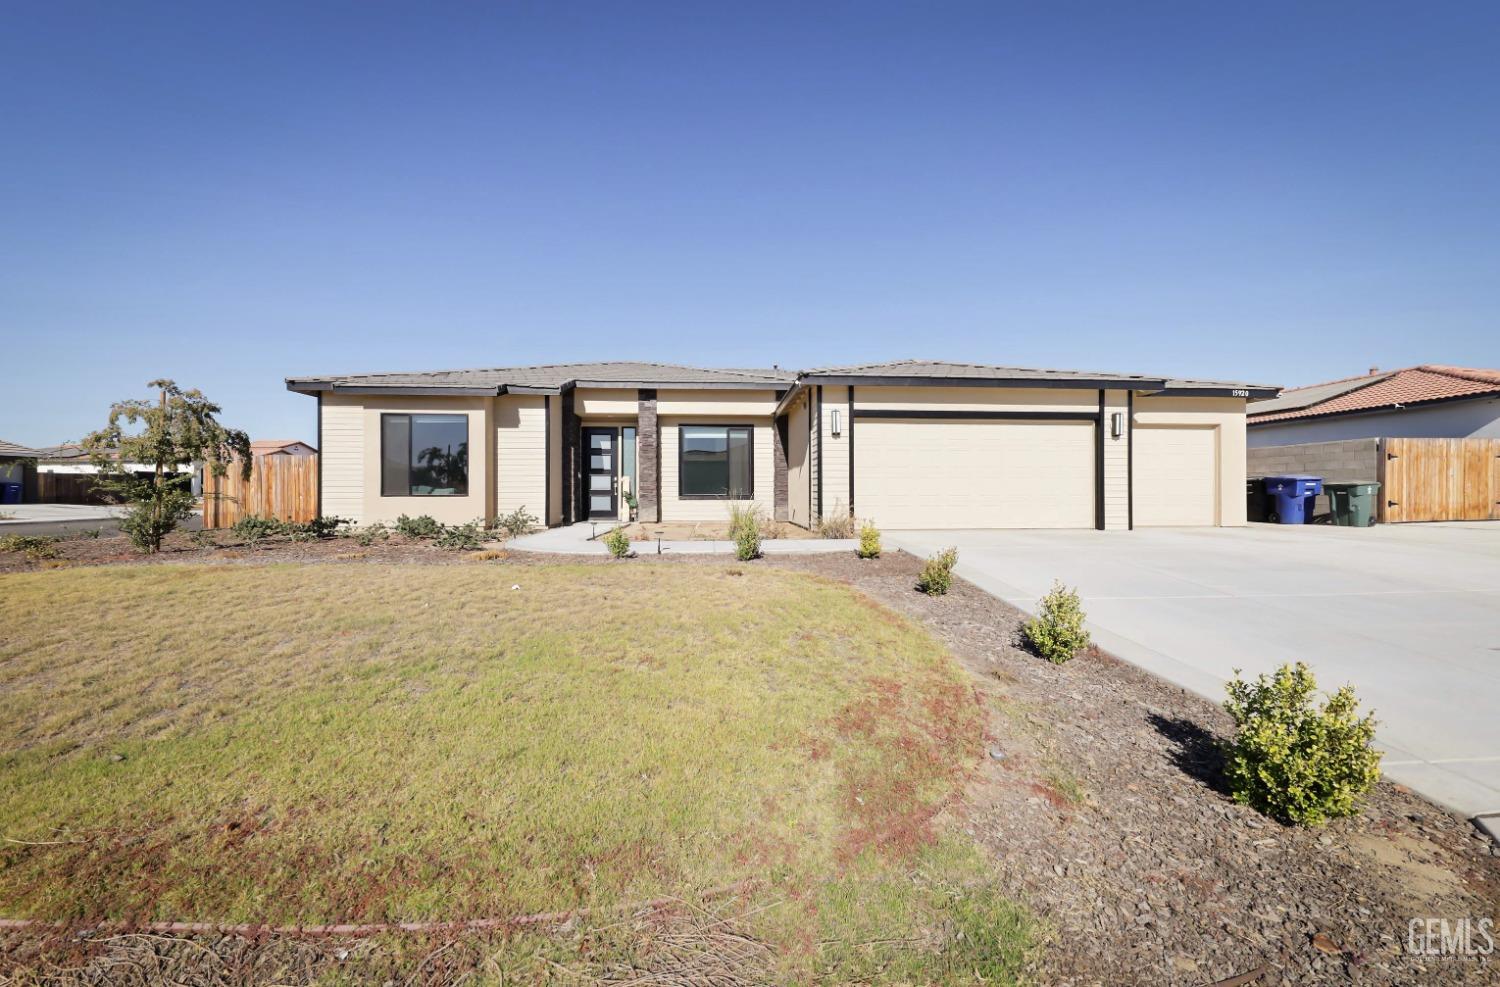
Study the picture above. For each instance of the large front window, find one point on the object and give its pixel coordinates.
(716, 461)
(424, 455)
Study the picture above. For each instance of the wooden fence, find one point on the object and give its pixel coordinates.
(1439, 479)
(69, 488)
(283, 487)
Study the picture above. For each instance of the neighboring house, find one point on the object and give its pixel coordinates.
(280, 447)
(14, 460)
(911, 444)
(1429, 401)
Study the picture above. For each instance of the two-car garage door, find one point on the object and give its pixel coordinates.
(976, 473)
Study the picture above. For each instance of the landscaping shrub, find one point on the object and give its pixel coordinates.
(745, 522)
(1057, 633)
(205, 538)
(421, 526)
(252, 529)
(34, 547)
(837, 523)
(869, 541)
(517, 522)
(1292, 760)
(618, 543)
(156, 514)
(368, 534)
(467, 537)
(89, 534)
(937, 573)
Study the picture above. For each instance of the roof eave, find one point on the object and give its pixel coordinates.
(899, 380)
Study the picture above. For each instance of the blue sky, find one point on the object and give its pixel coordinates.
(230, 194)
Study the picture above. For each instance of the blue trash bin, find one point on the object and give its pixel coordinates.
(1291, 497)
(10, 493)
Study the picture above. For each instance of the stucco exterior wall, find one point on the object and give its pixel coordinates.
(1473, 419)
(674, 507)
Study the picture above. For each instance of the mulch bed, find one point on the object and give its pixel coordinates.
(1099, 802)
(1154, 876)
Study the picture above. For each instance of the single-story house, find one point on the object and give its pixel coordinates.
(280, 447)
(910, 444)
(1429, 401)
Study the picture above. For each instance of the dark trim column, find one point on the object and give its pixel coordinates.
(648, 457)
(572, 466)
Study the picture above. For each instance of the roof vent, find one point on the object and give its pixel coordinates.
(1374, 370)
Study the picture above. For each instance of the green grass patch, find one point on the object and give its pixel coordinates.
(363, 743)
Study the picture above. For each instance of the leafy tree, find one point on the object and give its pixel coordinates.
(177, 429)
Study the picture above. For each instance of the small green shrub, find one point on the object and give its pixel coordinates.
(34, 547)
(618, 543)
(369, 534)
(745, 523)
(205, 538)
(465, 537)
(937, 573)
(89, 534)
(1292, 760)
(517, 523)
(869, 541)
(837, 523)
(252, 529)
(156, 514)
(1057, 632)
(421, 526)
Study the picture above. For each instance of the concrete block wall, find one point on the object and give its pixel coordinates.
(1347, 460)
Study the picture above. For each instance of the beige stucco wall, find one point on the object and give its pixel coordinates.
(351, 458)
(601, 401)
(1226, 416)
(971, 399)
(520, 453)
(674, 508)
(711, 401)
(799, 465)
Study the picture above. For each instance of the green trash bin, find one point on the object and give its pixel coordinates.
(1352, 504)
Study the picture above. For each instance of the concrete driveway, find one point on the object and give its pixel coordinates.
(1410, 614)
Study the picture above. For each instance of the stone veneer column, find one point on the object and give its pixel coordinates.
(779, 497)
(648, 458)
(572, 467)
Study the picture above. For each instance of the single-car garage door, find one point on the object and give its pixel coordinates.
(1176, 476)
(975, 474)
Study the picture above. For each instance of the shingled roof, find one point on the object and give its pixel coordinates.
(553, 378)
(1382, 390)
(9, 450)
(983, 372)
(549, 378)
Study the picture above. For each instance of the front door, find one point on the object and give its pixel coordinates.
(600, 472)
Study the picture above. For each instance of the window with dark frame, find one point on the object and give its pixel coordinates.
(424, 455)
(715, 462)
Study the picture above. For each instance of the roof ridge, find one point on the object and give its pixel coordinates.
(1477, 374)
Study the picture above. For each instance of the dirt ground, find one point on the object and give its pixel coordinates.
(1100, 804)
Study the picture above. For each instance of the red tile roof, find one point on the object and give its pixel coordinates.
(1414, 385)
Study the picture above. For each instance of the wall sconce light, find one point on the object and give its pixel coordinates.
(1117, 424)
(835, 423)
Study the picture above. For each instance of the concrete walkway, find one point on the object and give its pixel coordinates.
(1410, 614)
(575, 539)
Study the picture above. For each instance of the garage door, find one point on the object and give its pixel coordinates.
(1176, 476)
(975, 474)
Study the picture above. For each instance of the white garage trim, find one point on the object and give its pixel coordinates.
(1175, 478)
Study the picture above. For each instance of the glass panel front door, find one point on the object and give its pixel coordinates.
(602, 445)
